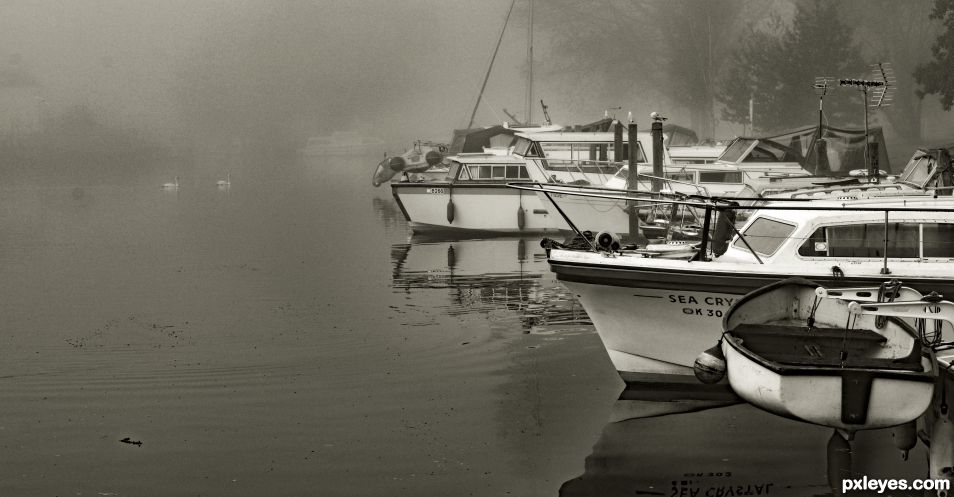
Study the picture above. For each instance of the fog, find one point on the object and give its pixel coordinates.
(184, 76)
(405, 70)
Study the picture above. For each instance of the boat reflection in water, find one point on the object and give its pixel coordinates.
(686, 444)
(487, 276)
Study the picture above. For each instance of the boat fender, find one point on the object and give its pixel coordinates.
(709, 366)
(450, 211)
(521, 217)
(609, 241)
(905, 437)
(839, 460)
(723, 232)
(451, 257)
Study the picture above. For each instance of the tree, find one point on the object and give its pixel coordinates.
(665, 55)
(775, 66)
(896, 32)
(936, 76)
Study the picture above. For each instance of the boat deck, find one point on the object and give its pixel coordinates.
(821, 347)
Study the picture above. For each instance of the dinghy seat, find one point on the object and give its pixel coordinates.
(821, 347)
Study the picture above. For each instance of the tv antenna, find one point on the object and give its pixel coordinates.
(881, 87)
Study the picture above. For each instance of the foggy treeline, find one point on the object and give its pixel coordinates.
(96, 89)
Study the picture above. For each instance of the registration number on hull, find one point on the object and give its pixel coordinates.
(436, 190)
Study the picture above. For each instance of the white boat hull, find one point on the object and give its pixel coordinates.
(674, 326)
(818, 398)
(476, 208)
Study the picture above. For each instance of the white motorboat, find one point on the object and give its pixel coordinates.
(654, 313)
(793, 351)
(474, 196)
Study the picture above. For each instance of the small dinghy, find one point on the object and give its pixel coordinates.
(802, 351)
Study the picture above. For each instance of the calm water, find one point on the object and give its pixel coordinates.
(290, 337)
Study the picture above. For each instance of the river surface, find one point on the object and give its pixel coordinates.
(290, 336)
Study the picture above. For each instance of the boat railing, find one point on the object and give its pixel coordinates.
(587, 169)
(715, 207)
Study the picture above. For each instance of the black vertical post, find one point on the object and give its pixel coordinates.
(632, 181)
(657, 153)
(704, 244)
(618, 142)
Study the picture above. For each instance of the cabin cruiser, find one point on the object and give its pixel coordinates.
(655, 313)
(928, 172)
(474, 194)
(746, 162)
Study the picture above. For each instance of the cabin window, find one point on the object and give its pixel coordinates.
(517, 172)
(938, 240)
(497, 172)
(720, 177)
(685, 177)
(864, 240)
(765, 235)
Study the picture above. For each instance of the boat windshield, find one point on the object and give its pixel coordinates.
(524, 148)
(764, 235)
(918, 170)
(735, 150)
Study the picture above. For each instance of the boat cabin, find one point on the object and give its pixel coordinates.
(565, 156)
(488, 168)
(837, 236)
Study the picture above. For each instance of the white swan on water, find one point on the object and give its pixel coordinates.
(171, 186)
(225, 183)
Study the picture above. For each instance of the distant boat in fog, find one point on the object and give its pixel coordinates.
(340, 143)
(225, 183)
(171, 186)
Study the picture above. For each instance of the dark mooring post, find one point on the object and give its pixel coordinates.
(618, 142)
(632, 182)
(657, 151)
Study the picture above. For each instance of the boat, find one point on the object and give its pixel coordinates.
(474, 195)
(341, 143)
(743, 164)
(423, 161)
(654, 313)
(792, 350)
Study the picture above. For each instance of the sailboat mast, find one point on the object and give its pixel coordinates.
(530, 67)
(491, 66)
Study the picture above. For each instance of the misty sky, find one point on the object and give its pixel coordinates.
(401, 70)
(124, 59)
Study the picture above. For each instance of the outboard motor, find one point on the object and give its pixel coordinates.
(383, 172)
(609, 241)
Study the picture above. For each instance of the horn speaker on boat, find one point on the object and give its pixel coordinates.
(433, 157)
(397, 163)
(607, 240)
